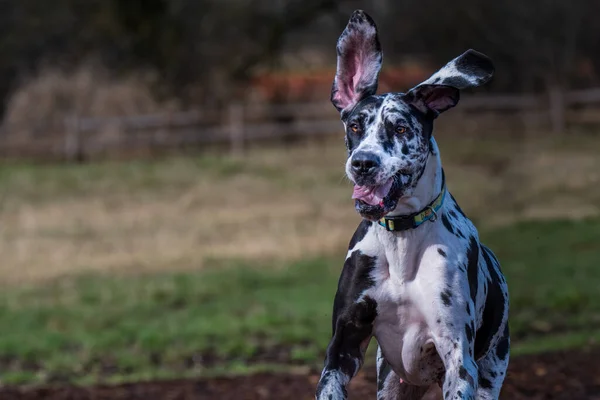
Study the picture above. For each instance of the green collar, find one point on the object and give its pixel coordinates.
(411, 221)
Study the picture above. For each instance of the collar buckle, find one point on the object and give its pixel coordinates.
(434, 215)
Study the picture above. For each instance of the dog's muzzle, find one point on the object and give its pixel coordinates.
(365, 167)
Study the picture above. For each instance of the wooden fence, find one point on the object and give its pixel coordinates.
(241, 124)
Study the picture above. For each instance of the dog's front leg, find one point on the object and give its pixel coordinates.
(460, 380)
(353, 326)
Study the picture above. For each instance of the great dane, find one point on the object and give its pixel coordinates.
(416, 276)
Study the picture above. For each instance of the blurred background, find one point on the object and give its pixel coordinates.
(173, 201)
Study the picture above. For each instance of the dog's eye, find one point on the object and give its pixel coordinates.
(354, 127)
(400, 129)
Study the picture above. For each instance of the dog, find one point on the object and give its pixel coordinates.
(416, 276)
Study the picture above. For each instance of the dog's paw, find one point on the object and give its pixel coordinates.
(331, 392)
(331, 388)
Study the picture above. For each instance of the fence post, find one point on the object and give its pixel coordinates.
(73, 148)
(236, 129)
(557, 109)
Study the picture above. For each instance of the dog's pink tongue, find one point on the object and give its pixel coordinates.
(372, 195)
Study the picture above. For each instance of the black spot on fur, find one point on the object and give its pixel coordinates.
(357, 114)
(475, 64)
(485, 383)
(446, 296)
(350, 331)
(442, 252)
(352, 320)
(472, 267)
(469, 332)
(447, 224)
(503, 345)
(468, 308)
(382, 374)
(457, 207)
(464, 375)
(493, 311)
(360, 233)
(355, 279)
(404, 148)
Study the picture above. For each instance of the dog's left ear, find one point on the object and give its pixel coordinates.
(442, 90)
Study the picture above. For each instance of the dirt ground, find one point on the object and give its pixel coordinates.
(571, 375)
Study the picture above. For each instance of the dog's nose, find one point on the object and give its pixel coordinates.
(364, 163)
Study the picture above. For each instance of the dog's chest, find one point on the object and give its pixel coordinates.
(400, 327)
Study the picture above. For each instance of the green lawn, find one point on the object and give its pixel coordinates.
(234, 317)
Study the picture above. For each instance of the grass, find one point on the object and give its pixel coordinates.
(237, 317)
(206, 265)
(274, 206)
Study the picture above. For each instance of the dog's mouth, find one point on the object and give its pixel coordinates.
(375, 201)
(372, 195)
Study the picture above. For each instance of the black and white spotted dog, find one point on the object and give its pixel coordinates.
(416, 276)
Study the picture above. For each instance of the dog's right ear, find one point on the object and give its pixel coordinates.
(359, 60)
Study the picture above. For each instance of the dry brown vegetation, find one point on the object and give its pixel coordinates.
(40, 106)
(274, 204)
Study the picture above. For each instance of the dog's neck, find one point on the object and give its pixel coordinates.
(399, 252)
(427, 188)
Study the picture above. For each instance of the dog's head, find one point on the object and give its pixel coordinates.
(388, 135)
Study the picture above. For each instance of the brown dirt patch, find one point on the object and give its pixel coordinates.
(568, 375)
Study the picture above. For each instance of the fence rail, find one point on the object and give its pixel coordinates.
(243, 123)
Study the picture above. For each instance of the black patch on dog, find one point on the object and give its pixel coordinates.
(352, 320)
(360, 233)
(359, 116)
(473, 267)
(355, 279)
(382, 374)
(503, 345)
(442, 252)
(446, 296)
(484, 383)
(469, 332)
(387, 142)
(475, 64)
(404, 148)
(457, 207)
(447, 224)
(493, 311)
(352, 327)
(468, 308)
(464, 375)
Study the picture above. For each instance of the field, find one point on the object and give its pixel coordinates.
(208, 266)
